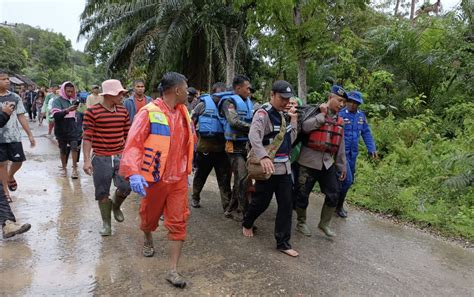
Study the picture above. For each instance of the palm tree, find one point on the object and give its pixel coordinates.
(182, 35)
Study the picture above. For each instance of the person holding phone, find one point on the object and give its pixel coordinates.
(66, 128)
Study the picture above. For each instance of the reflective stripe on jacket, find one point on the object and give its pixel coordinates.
(157, 145)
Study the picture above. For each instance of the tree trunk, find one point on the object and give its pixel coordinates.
(230, 46)
(397, 5)
(412, 9)
(209, 78)
(302, 88)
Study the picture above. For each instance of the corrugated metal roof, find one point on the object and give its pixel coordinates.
(16, 81)
(25, 79)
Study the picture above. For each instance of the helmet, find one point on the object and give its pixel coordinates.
(355, 96)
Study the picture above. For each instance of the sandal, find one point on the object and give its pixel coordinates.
(8, 198)
(176, 279)
(12, 185)
(148, 250)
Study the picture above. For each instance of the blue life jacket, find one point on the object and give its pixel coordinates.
(244, 109)
(209, 123)
(283, 153)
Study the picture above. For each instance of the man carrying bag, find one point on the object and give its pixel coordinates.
(271, 138)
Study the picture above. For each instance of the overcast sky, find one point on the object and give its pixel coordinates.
(63, 15)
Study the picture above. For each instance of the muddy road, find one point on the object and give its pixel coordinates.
(63, 254)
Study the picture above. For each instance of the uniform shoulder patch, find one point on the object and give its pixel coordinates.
(261, 113)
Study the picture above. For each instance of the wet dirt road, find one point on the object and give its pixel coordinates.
(64, 255)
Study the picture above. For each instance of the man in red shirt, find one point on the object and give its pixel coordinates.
(138, 100)
(158, 156)
(106, 126)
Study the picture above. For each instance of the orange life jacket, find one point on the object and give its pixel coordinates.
(328, 137)
(157, 145)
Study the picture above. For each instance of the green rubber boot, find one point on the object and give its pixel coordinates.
(117, 201)
(301, 226)
(106, 213)
(326, 215)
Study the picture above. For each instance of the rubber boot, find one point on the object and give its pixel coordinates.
(326, 215)
(301, 226)
(117, 201)
(106, 213)
(340, 211)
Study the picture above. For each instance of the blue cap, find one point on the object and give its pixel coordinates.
(338, 90)
(356, 96)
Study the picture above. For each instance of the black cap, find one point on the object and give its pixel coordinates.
(192, 91)
(283, 88)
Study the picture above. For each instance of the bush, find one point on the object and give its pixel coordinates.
(422, 176)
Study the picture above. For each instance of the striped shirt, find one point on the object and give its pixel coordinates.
(106, 130)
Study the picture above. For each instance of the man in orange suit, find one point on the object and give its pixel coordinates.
(157, 160)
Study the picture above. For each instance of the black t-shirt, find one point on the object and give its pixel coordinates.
(30, 97)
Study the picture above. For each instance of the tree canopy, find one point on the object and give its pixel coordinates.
(45, 57)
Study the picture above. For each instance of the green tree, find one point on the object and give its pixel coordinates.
(11, 57)
(183, 35)
(303, 29)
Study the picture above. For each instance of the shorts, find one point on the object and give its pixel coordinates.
(105, 170)
(12, 152)
(66, 145)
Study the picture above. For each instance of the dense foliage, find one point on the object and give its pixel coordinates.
(417, 76)
(45, 57)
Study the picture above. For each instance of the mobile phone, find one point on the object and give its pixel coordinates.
(76, 102)
(10, 104)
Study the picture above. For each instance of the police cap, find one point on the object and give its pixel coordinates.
(339, 91)
(355, 96)
(283, 88)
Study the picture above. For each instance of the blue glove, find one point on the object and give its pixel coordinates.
(136, 183)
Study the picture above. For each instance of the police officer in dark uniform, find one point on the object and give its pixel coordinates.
(236, 110)
(267, 123)
(210, 148)
(322, 156)
(355, 125)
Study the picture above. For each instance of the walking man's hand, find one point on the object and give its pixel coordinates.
(32, 141)
(138, 184)
(88, 167)
(343, 175)
(267, 165)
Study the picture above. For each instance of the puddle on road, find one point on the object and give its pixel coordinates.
(64, 255)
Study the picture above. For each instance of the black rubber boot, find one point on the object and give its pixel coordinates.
(117, 201)
(340, 211)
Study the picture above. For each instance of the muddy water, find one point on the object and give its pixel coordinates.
(64, 255)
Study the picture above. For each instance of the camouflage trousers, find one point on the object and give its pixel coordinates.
(205, 162)
(239, 199)
(306, 178)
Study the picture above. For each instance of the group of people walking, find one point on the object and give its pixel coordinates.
(150, 147)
